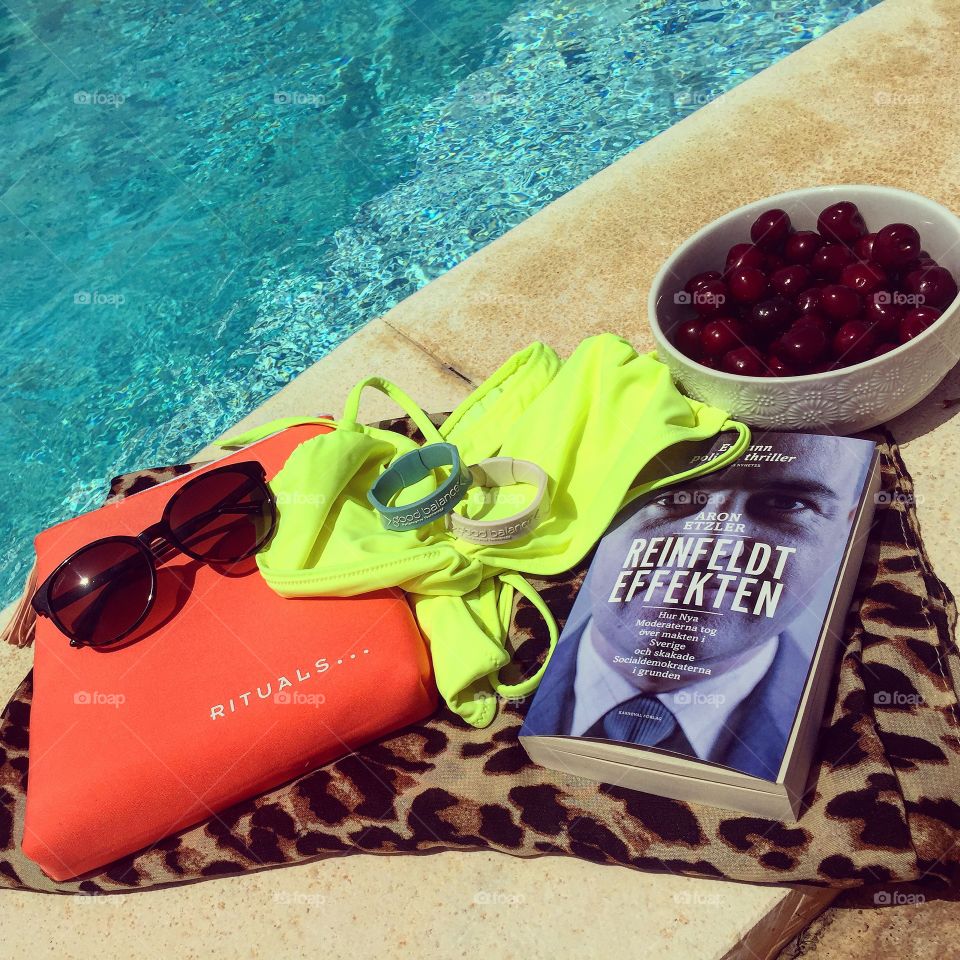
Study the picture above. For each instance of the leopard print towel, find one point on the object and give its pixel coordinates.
(884, 807)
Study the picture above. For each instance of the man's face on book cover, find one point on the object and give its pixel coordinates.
(804, 504)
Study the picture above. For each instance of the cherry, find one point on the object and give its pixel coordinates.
(882, 348)
(830, 260)
(840, 303)
(801, 246)
(934, 284)
(698, 279)
(884, 311)
(809, 300)
(712, 362)
(864, 276)
(778, 368)
(916, 321)
(896, 245)
(914, 266)
(747, 284)
(789, 281)
(853, 342)
(816, 320)
(863, 247)
(745, 361)
(708, 299)
(744, 255)
(687, 338)
(919, 263)
(803, 344)
(770, 229)
(721, 335)
(768, 318)
(841, 223)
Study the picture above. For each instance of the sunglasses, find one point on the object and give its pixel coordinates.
(104, 591)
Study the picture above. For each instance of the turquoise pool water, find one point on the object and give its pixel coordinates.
(199, 200)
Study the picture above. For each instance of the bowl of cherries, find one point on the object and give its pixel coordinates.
(829, 308)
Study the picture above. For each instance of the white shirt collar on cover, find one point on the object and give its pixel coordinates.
(599, 688)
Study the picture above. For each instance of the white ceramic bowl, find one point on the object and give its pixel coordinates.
(839, 401)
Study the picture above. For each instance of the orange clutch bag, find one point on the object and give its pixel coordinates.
(228, 691)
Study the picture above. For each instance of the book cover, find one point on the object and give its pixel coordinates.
(701, 613)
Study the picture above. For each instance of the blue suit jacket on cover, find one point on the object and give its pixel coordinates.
(754, 737)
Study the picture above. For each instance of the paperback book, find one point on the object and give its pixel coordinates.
(700, 650)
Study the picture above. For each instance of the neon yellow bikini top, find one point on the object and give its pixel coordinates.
(597, 424)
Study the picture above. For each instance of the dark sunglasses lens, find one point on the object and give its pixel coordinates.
(102, 592)
(225, 516)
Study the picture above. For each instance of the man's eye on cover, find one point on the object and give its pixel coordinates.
(781, 503)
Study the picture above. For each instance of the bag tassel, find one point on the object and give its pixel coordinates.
(20, 627)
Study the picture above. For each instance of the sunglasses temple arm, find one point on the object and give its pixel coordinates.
(197, 525)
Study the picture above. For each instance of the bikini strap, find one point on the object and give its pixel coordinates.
(349, 421)
(351, 408)
(514, 581)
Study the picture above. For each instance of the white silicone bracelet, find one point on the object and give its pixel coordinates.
(503, 472)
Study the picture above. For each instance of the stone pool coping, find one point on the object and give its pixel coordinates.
(866, 103)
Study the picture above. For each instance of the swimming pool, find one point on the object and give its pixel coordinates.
(199, 200)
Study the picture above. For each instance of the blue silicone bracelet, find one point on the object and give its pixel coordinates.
(411, 468)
